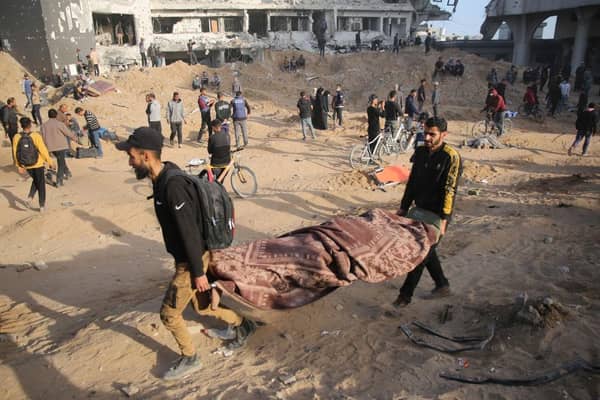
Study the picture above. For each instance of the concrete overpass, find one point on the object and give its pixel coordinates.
(577, 21)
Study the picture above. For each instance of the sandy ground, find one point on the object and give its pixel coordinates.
(88, 325)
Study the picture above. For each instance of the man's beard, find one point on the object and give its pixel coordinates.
(141, 172)
(434, 143)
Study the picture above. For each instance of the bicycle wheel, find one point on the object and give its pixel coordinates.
(480, 128)
(359, 156)
(243, 181)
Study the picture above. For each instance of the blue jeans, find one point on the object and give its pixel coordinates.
(307, 123)
(94, 137)
(581, 135)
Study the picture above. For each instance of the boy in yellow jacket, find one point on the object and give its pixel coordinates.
(36, 170)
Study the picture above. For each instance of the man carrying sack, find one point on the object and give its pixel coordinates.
(431, 192)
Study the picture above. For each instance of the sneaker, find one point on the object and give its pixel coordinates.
(179, 145)
(242, 333)
(439, 292)
(183, 368)
(401, 301)
(583, 154)
(228, 333)
(42, 209)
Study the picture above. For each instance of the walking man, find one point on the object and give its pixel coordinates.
(33, 165)
(204, 103)
(55, 135)
(241, 110)
(435, 99)
(27, 89)
(337, 104)
(305, 111)
(175, 118)
(153, 112)
(421, 95)
(410, 108)
(9, 118)
(586, 125)
(177, 210)
(430, 193)
(36, 104)
(95, 62)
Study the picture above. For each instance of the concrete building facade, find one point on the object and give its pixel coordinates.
(43, 34)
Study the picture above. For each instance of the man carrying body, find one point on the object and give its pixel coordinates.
(55, 135)
(304, 111)
(241, 110)
(177, 209)
(421, 95)
(204, 103)
(337, 104)
(432, 187)
(175, 118)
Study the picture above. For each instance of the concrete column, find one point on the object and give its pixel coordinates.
(221, 24)
(521, 39)
(310, 22)
(288, 22)
(381, 24)
(217, 58)
(334, 27)
(581, 38)
(268, 21)
(245, 21)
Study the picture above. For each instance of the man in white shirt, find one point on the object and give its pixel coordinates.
(565, 90)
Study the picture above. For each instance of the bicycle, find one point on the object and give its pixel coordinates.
(535, 112)
(488, 126)
(361, 153)
(243, 179)
(400, 141)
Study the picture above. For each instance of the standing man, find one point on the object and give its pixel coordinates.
(392, 112)
(236, 86)
(223, 112)
(55, 135)
(175, 118)
(9, 118)
(241, 110)
(374, 112)
(410, 108)
(396, 48)
(36, 104)
(435, 99)
(94, 60)
(586, 125)
(565, 90)
(337, 104)
(93, 128)
(177, 210)
(428, 42)
(431, 187)
(357, 40)
(119, 33)
(27, 89)
(219, 148)
(35, 169)
(191, 53)
(62, 113)
(305, 111)
(153, 112)
(204, 103)
(142, 46)
(421, 95)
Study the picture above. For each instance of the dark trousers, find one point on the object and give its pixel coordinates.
(62, 169)
(35, 113)
(435, 110)
(205, 123)
(38, 184)
(433, 265)
(96, 70)
(372, 142)
(337, 114)
(144, 60)
(585, 136)
(176, 131)
(156, 126)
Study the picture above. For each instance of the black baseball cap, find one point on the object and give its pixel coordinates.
(142, 138)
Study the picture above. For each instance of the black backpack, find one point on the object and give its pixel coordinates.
(27, 153)
(216, 209)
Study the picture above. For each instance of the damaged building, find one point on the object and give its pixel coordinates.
(222, 31)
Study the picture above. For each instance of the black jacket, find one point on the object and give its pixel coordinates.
(433, 180)
(222, 110)
(178, 216)
(373, 115)
(392, 111)
(304, 107)
(410, 107)
(587, 121)
(219, 148)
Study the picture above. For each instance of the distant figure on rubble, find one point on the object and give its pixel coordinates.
(196, 83)
(204, 79)
(216, 81)
(191, 53)
(321, 36)
(293, 66)
(396, 48)
(300, 62)
(142, 47)
(236, 86)
(357, 40)
(428, 40)
(119, 33)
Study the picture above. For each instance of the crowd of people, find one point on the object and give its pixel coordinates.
(293, 64)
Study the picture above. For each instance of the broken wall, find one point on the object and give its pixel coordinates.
(140, 9)
(22, 25)
(68, 27)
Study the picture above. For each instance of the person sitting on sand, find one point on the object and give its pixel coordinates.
(216, 81)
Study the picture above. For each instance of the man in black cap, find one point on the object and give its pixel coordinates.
(176, 204)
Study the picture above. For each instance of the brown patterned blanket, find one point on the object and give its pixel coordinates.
(304, 265)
